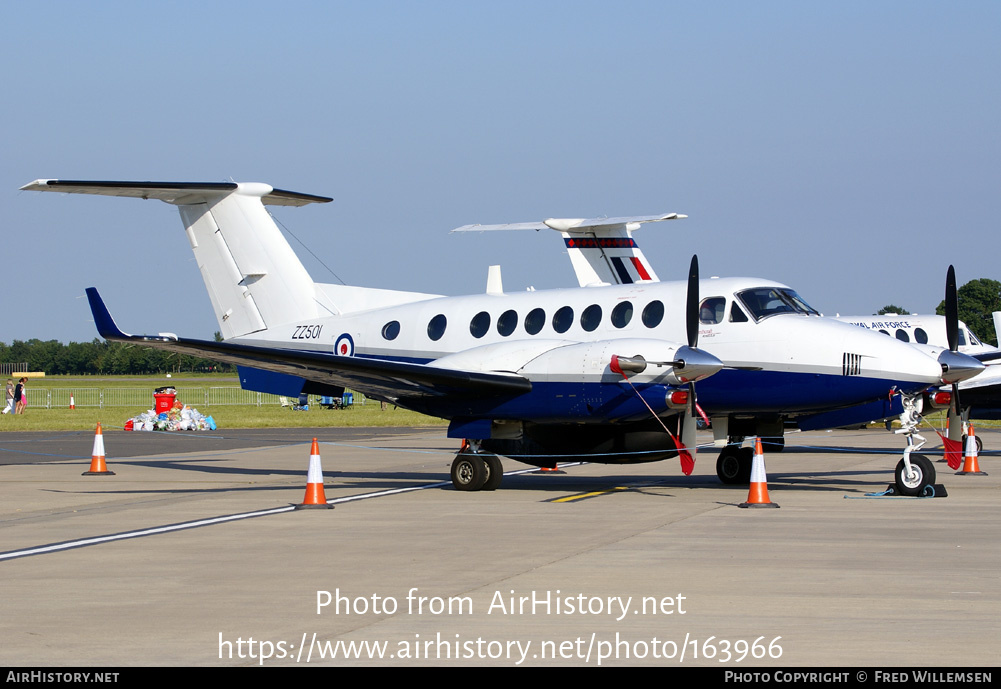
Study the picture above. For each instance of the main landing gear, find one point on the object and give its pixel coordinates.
(733, 466)
(475, 470)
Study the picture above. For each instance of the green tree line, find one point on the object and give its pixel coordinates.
(101, 357)
(977, 300)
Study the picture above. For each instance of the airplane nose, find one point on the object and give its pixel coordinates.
(695, 364)
(957, 367)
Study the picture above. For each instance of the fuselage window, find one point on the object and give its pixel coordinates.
(653, 314)
(534, 321)
(480, 324)
(920, 336)
(436, 328)
(622, 314)
(563, 319)
(712, 309)
(737, 315)
(507, 322)
(962, 337)
(902, 335)
(590, 318)
(391, 330)
(885, 333)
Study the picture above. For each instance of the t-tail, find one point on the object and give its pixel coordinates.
(602, 250)
(254, 279)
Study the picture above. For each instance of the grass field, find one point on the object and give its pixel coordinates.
(226, 416)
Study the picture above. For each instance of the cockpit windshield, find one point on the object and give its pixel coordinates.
(763, 302)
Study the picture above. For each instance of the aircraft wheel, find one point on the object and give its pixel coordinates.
(980, 444)
(468, 472)
(728, 465)
(923, 474)
(746, 458)
(774, 444)
(495, 472)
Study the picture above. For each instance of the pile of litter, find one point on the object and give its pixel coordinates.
(181, 417)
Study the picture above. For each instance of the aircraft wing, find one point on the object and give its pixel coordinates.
(987, 356)
(373, 377)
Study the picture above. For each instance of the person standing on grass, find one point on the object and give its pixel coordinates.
(19, 397)
(10, 396)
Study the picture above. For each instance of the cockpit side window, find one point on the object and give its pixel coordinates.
(737, 315)
(711, 310)
(763, 302)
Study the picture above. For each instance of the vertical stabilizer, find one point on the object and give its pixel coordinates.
(607, 256)
(253, 277)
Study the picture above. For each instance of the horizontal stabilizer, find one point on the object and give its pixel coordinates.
(575, 225)
(373, 377)
(174, 192)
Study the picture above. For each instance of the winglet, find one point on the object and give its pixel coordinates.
(102, 317)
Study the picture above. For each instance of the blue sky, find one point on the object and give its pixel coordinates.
(849, 149)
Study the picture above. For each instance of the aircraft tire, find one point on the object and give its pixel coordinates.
(728, 465)
(924, 476)
(746, 458)
(495, 472)
(468, 472)
(980, 444)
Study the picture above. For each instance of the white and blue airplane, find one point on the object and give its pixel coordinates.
(600, 373)
(979, 396)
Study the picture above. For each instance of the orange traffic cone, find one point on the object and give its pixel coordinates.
(554, 469)
(315, 498)
(72, 403)
(758, 495)
(970, 464)
(97, 465)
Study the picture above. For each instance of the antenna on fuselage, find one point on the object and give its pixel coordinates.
(495, 285)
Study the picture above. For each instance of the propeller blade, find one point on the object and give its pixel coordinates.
(689, 426)
(951, 309)
(686, 453)
(692, 314)
(955, 420)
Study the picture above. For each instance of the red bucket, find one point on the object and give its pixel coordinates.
(164, 401)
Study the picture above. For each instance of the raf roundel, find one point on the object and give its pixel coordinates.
(344, 345)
